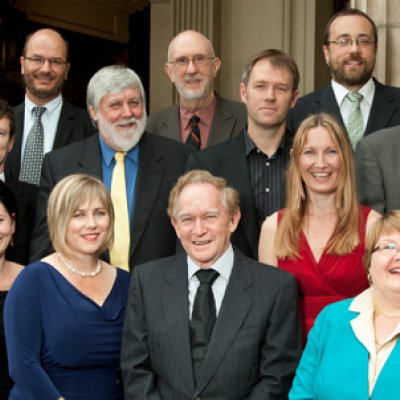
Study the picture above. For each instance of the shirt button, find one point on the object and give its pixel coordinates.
(267, 164)
(267, 190)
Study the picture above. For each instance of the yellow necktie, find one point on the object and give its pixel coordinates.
(119, 254)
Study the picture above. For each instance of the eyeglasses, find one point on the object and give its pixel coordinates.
(388, 248)
(199, 60)
(39, 61)
(346, 42)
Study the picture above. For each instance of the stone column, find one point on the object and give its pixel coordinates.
(386, 14)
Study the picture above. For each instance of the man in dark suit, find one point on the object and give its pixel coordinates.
(350, 44)
(254, 162)
(377, 170)
(152, 164)
(192, 66)
(44, 67)
(242, 342)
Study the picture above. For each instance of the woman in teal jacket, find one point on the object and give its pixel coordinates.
(353, 352)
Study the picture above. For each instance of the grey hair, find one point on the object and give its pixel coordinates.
(112, 79)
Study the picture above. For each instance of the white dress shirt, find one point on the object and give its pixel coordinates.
(49, 121)
(223, 266)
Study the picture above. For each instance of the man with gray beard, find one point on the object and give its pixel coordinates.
(202, 118)
(152, 164)
(44, 68)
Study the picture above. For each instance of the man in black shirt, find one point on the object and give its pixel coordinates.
(254, 162)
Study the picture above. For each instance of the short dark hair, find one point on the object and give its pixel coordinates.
(7, 112)
(277, 58)
(346, 13)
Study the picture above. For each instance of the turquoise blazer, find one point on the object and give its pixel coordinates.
(334, 364)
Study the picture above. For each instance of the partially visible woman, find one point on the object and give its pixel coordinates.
(8, 272)
(320, 235)
(64, 314)
(353, 351)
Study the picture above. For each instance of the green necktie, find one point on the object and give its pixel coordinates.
(355, 126)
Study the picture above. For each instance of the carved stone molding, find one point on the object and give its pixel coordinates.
(101, 18)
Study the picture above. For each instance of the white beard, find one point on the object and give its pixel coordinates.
(122, 140)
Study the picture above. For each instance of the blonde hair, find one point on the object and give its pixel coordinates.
(66, 197)
(345, 236)
(390, 223)
(229, 196)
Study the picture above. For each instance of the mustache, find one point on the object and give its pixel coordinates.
(188, 78)
(47, 75)
(129, 121)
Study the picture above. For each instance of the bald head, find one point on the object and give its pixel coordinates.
(190, 38)
(44, 65)
(49, 36)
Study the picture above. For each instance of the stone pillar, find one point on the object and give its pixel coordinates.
(386, 14)
(169, 17)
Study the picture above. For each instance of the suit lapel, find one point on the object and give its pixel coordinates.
(171, 127)
(174, 300)
(234, 166)
(90, 160)
(382, 109)
(223, 122)
(13, 161)
(149, 178)
(65, 126)
(234, 309)
(329, 104)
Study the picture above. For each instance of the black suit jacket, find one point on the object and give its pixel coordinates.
(161, 162)
(229, 119)
(228, 159)
(255, 344)
(74, 124)
(385, 109)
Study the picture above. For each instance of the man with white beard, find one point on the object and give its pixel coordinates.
(151, 165)
(202, 118)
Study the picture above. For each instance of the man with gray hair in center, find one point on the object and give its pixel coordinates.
(138, 168)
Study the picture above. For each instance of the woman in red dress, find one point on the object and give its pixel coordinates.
(320, 236)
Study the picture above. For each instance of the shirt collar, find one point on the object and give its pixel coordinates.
(223, 265)
(368, 91)
(205, 114)
(108, 152)
(250, 146)
(51, 106)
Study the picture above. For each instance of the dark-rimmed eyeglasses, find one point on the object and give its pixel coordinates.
(199, 60)
(39, 61)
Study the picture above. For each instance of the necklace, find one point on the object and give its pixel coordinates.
(73, 269)
(378, 310)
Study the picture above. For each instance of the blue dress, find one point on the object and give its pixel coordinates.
(60, 342)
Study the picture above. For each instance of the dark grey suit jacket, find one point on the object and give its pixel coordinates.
(385, 109)
(74, 124)
(161, 162)
(229, 119)
(228, 159)
(378, 170)
(254, 348)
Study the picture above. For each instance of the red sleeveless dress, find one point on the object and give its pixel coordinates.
(331, 279)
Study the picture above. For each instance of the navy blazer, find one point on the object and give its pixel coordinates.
(255, 344)
(161, 162)
(385, 109)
